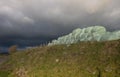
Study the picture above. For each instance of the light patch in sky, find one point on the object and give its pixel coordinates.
(27, 20)
(115, 13)
(93, 6)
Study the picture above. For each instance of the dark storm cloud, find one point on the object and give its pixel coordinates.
(48, 17)
(52, 18)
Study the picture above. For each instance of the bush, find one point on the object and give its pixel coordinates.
(12, 49)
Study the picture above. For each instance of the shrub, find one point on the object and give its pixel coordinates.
(12, 49)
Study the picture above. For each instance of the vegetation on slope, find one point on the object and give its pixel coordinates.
(84, 59)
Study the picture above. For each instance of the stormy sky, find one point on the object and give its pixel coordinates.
(31, 22)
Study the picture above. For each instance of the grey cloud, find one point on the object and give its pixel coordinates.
(32, 18)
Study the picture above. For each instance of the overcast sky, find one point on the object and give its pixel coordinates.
(50, 18)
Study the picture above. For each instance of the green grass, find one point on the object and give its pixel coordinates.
(4, 74)
(84, 59)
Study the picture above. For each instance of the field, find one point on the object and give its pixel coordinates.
(84, 59)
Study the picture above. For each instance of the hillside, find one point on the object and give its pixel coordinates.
(83, 59)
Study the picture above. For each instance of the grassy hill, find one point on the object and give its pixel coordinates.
(84, 59)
